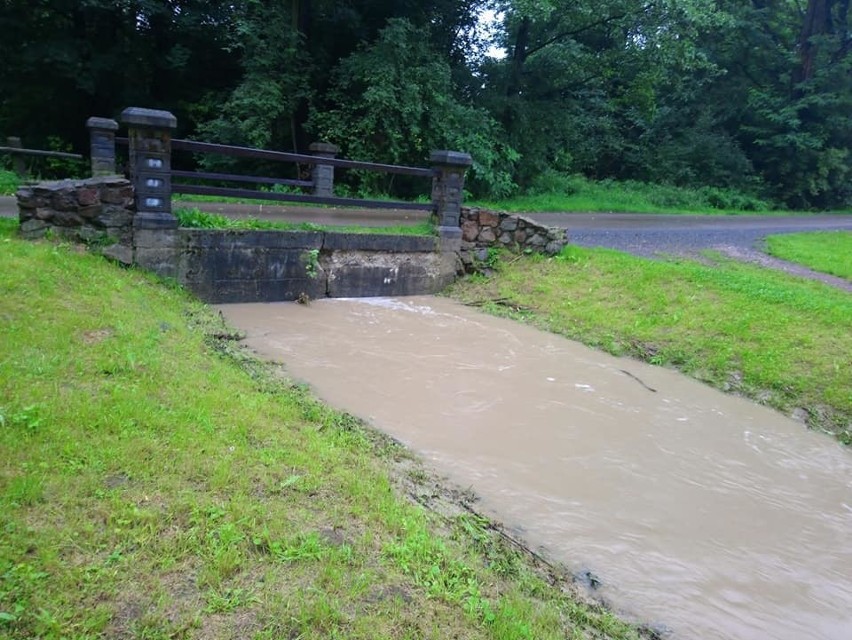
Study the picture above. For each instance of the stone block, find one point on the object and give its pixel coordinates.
(489, 219)
(552, 248)
(509, 223)
(121, 194)
(487, 235)
(116, 217)
(90, 212)
(470, 230)
(88, 196)
(44, 213)
(32, 229)
(520, 237)
(64, 200)
(66, 218)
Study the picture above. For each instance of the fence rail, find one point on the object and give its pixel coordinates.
(16, 150)
(281, 156)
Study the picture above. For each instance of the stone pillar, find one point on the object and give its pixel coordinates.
(149, 158)
(448, 191)
(19, 165)
(323, 174)
(102, 145)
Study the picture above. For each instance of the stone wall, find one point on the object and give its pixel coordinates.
(483, 229)
(98, 212)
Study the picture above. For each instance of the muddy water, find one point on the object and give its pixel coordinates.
(707, 514)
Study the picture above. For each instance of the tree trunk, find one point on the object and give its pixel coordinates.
(817, 22)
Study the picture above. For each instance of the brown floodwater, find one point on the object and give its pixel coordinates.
(699, 512)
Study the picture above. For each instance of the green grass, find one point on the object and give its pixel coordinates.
(9, 182)
(158, 482)
(826, 251)
(562, 193)
(197, 219)
(784, 341)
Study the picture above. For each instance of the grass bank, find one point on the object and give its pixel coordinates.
(825, 251)
(194, 218)
(156, 482)
(781, 340)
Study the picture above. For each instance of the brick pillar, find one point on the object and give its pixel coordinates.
(19, 164)
(150, 134)
(323, 174)
(102, 145)
(448, 191)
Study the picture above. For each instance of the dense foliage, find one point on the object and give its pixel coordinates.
(753, 97)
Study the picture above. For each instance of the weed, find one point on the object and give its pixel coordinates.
(310, 258)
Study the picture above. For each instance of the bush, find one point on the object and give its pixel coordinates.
(9, 182)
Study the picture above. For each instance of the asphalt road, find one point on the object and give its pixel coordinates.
(651, 234)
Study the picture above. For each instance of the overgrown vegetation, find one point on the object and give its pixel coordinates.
(9, 182)
(157, 482)
(781, 340)
(558, 193)
(194, 218)
(826, 251)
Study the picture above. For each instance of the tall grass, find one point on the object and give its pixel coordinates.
(554, 192)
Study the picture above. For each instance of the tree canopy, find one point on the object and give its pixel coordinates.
(754, 96)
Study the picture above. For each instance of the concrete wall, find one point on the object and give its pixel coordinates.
(264, 266)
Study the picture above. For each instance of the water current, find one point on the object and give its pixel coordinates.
(697, 511)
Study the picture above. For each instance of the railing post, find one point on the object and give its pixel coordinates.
(323, 174)
(448, 190)
(150, 151)
(102, 145)
(19, 164)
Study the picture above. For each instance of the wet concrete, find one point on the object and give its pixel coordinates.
(697, 511)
